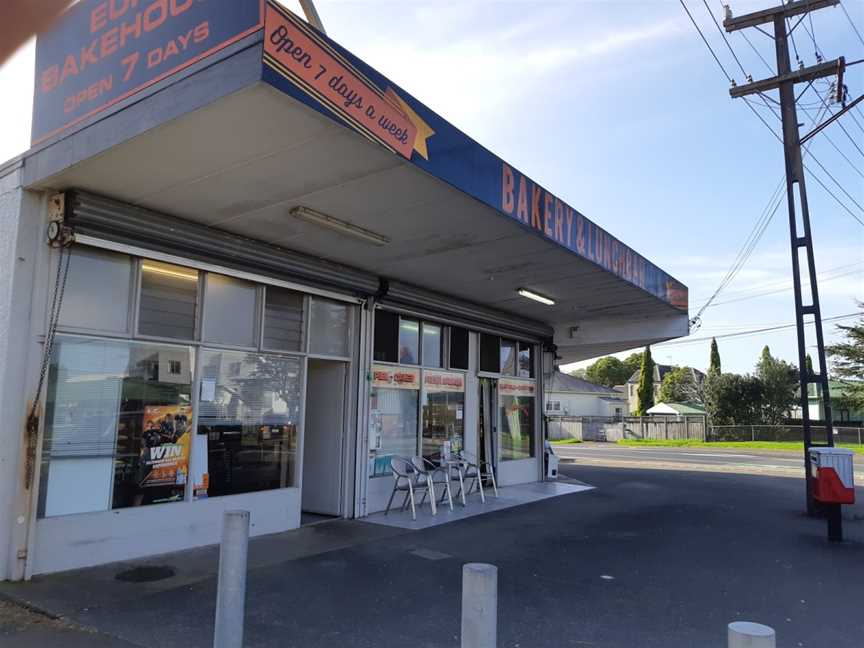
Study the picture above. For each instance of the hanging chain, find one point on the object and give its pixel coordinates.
(47, 350)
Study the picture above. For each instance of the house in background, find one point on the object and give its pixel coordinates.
(840, 412)
(571, 396)
(676, 409)
(660, 371)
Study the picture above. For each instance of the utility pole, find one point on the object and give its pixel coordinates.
(799, 214)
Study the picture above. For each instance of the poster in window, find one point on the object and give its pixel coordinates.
(165, 445)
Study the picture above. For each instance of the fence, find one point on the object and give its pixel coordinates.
(853, 435)
(675, 428)
(601, 428)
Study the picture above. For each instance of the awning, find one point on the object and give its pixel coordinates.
(311, 125)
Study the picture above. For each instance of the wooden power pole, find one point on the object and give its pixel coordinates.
(782, 18)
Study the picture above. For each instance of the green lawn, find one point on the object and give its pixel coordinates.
(565, 441)
(789, 446)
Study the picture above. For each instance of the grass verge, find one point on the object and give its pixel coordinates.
(565, 441)
(788, 446)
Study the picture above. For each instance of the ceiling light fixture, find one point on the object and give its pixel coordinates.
(343, 227)
(192, 275)
(538, 298)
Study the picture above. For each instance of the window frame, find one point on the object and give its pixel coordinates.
(199, 305)
(197, 345)
(257, 324)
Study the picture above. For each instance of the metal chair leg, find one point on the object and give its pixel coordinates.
(431, 486)
(390, 501)
(449, 494)
(413, 509)
(480, 485)
(461, 488)
(494, 483)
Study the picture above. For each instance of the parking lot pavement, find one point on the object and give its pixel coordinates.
(649, 559)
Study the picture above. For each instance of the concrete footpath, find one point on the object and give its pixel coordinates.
(650, 559)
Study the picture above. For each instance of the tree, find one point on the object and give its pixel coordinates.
(779, 384)
(645, 391)
(732, 399)
(847, 362)
(680, 385)
(608, 371)
(714, 362)
(808, 362)
(632, 364)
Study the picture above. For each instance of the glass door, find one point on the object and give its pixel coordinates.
(487, 424)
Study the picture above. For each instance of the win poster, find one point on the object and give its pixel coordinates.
(165, 445)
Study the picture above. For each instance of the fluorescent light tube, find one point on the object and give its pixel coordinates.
(343, 227)
(538, 298)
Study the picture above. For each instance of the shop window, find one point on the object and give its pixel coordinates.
(283, 319)
(393, 417)
(230, 311)
(117, 426)
(458, 348)
(431, 345)
(490, 353)
(443, 414)
(409, 341)
(249, 409)
(517, 427)
(526, 360)
(97, 292)
(328, 327)
(386, 337)
(508, 358)
(169, 298)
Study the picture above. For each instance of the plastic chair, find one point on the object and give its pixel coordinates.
(434, 475)
(408, 480)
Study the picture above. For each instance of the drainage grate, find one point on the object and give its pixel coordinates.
(146, 574)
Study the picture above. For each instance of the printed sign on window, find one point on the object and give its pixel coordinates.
(443, 381)
(509, 387)
(165, 445)
(395, 377)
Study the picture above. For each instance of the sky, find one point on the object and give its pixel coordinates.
(618, 107)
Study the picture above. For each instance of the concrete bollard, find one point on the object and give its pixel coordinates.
(479, 606)
(744, 634)
(231, 590)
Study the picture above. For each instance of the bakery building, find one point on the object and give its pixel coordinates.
(262, 270)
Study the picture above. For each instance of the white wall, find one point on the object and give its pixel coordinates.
(87, 539)
(582, 405)
(20, 229)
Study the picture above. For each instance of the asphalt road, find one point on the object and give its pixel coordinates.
(649, 559)
(745, 461)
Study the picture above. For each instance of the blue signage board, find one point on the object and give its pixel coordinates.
(317, 71)
(102, 51)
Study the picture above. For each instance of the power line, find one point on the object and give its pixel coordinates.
(767, 329)
(822, 279)
(760, 288)
(838, 149)
(852, 24)
(707, 44)
(726, 40)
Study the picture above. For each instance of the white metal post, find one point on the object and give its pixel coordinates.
(744, 634)
(231, 589)
(479, 606)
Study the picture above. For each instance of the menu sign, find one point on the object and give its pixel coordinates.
(103, 51)
(443, 381)
(510, 387)
(395, 377)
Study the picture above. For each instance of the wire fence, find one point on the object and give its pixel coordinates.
(846, 435)
(686, 428)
